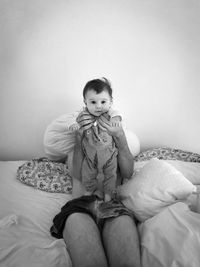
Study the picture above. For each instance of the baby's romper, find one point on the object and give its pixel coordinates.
(100, 158)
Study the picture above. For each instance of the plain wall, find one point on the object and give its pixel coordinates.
(148, 49)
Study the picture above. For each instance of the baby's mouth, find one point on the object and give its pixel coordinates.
(98, 112)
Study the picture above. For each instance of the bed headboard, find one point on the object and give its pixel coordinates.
(148, 50)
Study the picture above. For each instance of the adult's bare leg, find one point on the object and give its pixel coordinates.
(83, 241)
(121, 242)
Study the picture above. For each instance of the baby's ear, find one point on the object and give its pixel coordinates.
(111, 102)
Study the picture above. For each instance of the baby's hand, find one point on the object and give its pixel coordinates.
(85, 120)
(113, 130)
(116, 123)
(74, 127)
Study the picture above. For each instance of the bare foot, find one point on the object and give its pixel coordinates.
(107, 198)
(87, 193)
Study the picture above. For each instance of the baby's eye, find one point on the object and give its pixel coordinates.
(103, 102)
(93, 102)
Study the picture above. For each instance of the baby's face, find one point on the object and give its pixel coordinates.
(97, 104)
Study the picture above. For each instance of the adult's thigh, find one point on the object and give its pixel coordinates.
(121, 241)
(83, 241)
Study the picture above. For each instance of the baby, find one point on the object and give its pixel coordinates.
(98, 147)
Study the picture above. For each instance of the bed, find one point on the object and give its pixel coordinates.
(169, 235)
(25, 218)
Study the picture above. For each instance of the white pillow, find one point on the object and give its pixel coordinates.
(191, 170)
(155, 186)
(133, 142)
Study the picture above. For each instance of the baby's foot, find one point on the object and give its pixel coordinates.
(87, 193)
(107, 197)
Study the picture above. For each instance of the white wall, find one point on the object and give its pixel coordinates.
(149, 49)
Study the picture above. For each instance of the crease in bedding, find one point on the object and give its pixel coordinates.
(8, 220)
(20, 247)
(25, 218)
(172, 244)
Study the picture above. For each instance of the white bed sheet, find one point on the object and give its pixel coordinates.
(171, 238)
(26, 216)
(25, 219)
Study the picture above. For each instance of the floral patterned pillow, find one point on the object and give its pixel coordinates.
(46, 175)
(167, 153)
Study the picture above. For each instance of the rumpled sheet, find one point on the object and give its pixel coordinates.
(24, 247)
(26, 215)
(171, 238)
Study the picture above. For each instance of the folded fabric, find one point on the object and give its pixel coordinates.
(157, 185)
(8, 221)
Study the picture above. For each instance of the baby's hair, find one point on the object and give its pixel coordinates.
(98, 85)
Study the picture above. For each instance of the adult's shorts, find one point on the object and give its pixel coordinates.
(91, 205)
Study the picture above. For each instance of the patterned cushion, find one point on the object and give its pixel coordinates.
(167, 153)
(46, 175)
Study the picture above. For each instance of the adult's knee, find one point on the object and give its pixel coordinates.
(74, 221)
(120, 237)
(79, 225)
(83, 241)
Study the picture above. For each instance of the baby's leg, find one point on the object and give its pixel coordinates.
(89, 175)
(110, 176)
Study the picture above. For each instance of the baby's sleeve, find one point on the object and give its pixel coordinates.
(58, 140)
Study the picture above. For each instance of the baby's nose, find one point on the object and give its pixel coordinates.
(98, 105)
